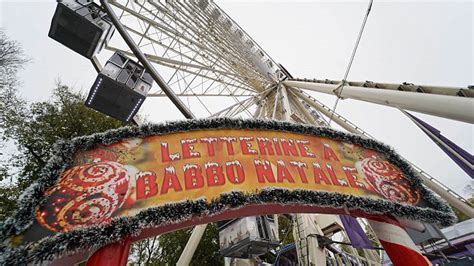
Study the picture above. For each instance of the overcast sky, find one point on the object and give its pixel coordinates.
(420, 42)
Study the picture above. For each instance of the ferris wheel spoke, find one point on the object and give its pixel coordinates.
(203, 104)
(198, 96)
(204, 29)
(305, 107)
(217, 114)
(308, 118)
(189, 68)
(174, 79)
(224, 40)
(244, 108)
(213, 44)
(257, 98)
(179, 65)
(205, 56)
(160, 42)
(188, 37)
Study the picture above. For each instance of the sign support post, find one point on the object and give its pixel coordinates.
(115, 254)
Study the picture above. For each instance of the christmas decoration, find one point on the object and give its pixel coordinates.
(99, 234)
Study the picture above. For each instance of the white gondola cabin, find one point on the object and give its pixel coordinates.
(247, 237)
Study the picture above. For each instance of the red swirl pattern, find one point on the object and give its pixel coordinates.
(85, 195)
(94, 177)
(388, 181)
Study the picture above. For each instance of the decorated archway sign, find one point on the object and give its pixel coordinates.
(140, 181)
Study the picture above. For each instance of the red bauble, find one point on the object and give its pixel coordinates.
(85, 195)
(388, 181)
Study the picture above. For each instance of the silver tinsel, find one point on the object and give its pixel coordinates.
(48, 248)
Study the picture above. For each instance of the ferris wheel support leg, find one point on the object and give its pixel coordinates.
(453, 201)
(276, 103)
(299, 106)
(192, 244)
(326, 112)
(285, 104)
(308, 250)
(396, 242)
(451, 107)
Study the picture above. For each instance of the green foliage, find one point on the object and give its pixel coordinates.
(144, 252)
(8, 195)
(170, 245)
(12, 59)
(461, 216)
(34, 128)
(285, 229)
(208, 249)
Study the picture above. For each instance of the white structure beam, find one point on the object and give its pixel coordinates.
(286, 109)
(452, 107)
(190, 248)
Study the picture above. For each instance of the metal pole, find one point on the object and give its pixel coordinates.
(146, 64)
(453, 201)
(192, 244)
(326, 112)
(285, 103)
(300, 108)
(442, 90)
(276, 101)
(452, 107)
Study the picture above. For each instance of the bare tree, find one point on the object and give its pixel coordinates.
(144, 252)
(12, 59)
(469, 189)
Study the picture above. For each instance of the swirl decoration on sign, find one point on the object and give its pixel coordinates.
(388, 181)
(85, 195)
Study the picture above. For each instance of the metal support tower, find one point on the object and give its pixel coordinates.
(456, 103)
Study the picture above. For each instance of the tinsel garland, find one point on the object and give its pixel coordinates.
(61, 158)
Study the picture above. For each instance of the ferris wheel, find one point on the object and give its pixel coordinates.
(208, 66)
